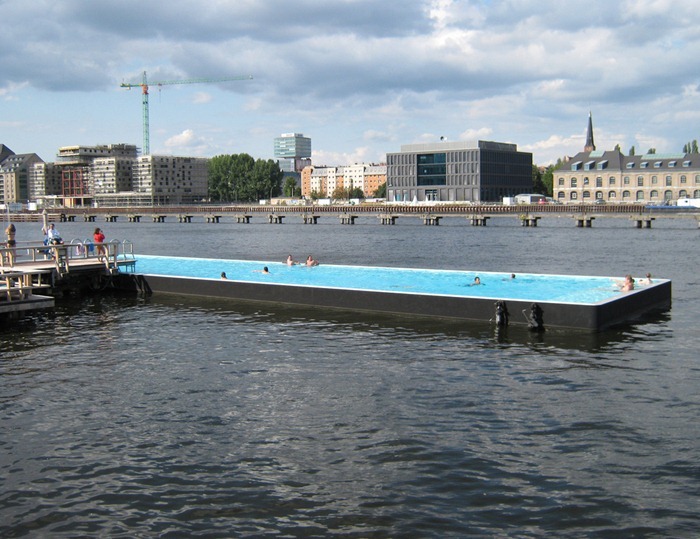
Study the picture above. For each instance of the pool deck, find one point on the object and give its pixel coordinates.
(623, 309)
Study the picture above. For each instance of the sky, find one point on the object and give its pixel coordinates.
(361, 78)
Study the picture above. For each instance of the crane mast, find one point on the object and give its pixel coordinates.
(144, 98)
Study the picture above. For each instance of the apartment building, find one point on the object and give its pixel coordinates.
(324, 181)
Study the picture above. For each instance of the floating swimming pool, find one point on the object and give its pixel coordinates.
(567, 300)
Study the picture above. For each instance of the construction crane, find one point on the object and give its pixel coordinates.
(144, 93)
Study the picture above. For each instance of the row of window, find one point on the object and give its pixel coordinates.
(627, 195)
(640, 180)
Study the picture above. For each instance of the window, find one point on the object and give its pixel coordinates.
(574, 182)
(611, 195)
(654, 194)
(644, 164)
(630, 165)
(574, 195)
(625, 195)
(640, 181)
(683, 193)
(657, 164)
(576, 166)
(654, 180)
(561, 182)
(599, 182)
(432, 169)
(599, 195)
(671, 164)
(611, 180)
(640, 195)
(585, 181)
(686, 164)
(586, 195)
(626, 180)
(684, 179)
(602, 165)
(697, 179)
(668, 181)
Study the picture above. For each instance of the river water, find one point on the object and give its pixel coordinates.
(172, 417)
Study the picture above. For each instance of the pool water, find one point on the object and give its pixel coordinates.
(527, 287)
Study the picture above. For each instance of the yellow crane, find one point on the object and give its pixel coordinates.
(144, 93)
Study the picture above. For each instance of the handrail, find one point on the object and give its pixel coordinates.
(76, 249)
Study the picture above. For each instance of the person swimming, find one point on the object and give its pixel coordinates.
(310, 261)
(477, 282)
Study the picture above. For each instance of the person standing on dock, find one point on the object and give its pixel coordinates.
(10, 232)
(99, 238)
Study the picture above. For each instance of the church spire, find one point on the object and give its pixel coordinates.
(590, 145)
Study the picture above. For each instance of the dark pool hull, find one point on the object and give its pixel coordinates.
(626, 308)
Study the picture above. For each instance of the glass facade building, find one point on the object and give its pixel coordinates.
(481, 171)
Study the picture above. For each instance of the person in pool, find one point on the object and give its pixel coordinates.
(477, 282)
(291, 261)
(627, 284)
(310, 261)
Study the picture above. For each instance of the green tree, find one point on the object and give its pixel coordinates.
(631, 151)
(651, 151)
(617, 148)
(239, 177)
(381, 191)
(290, 187)
(537, 185)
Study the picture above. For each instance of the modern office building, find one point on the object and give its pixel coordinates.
(481, 171)
(609, 176)
(292, 151)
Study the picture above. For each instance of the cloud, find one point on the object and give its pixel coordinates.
(382, 73)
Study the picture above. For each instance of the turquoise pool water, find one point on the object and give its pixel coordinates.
(528, 287)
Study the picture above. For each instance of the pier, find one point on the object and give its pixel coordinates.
(478, 215)
(56, 271)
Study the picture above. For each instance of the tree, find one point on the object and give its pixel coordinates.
(381, 191)
(617, 148)
(356, 192)
(651, 151)
(290, 187)
(631, 152)
(691, 147)
(537, 185)
(241, 178)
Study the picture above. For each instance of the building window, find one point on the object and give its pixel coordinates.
(654, 180)
(561, 182)
(626, 180)
(668, 195)
(625, 195)
(611, 181)
(640, 195)
(432, 169)
(574, 195)
(611, 195)
(683, 193)
(654, 194)
(574, 182)
(599, 182)
(697, 179)
(668, 181)
(586, 195)
(586, 181)
(684, 179)
(640, 181)
(599, 195)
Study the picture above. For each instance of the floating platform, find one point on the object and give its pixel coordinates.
(315, 287)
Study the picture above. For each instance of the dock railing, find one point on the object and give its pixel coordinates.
(61, 255)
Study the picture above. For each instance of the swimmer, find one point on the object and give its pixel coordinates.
(476, 282)
(628, 284)
(223, 275)
(310, 261)
(264, 270)
(291, 261)
(648, 276)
